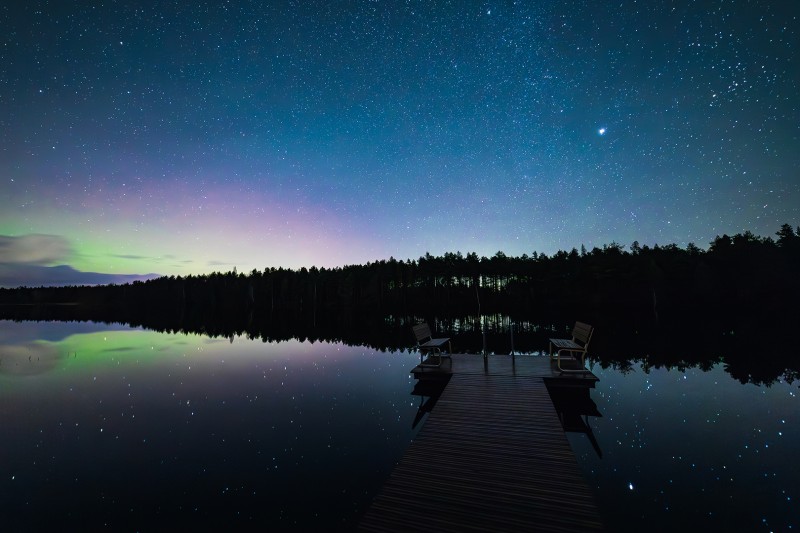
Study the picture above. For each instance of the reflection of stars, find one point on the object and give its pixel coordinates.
(601, 131)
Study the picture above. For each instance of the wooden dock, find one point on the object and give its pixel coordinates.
(492, 456)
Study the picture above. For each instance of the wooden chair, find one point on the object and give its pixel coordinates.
(577, 346)
(427, 344)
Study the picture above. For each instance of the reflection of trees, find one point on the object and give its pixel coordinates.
(672, 305)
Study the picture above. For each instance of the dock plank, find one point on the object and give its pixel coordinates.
(504, 365)
(492, 456)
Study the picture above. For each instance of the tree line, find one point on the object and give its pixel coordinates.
(677, 306)
(739, 271)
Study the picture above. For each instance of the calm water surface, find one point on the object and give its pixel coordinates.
(107, 427)
(694, 451)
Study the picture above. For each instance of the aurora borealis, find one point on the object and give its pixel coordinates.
(176, 138)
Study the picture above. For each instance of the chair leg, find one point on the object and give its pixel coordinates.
(431, 353)
(581, 370)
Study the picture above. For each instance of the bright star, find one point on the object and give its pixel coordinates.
(601, 131)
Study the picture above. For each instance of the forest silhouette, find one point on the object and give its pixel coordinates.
(665, 305)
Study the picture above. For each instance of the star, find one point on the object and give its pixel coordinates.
(335, 143)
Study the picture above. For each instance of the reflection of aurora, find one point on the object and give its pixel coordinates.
(32, 348)
(25, 331)
(147, 425)
(96, 346)
(23, 352)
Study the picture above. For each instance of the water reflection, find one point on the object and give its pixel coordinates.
(30, 348)
(692, 447)
(428, 391)
(750, 350)
(129, 429)
(574, 407)
(28, 359)
(107, 426)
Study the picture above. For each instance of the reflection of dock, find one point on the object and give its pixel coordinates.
(491, 456)
(574, 407)
(429, 391)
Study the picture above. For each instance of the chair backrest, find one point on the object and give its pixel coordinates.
(422, 332)
(582, 333)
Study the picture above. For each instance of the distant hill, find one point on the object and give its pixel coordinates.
(14, 275)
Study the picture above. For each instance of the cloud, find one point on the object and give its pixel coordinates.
(33, 261)
(33, 249)
(19, 275)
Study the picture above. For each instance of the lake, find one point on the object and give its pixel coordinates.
(693, 449)
(110, 427)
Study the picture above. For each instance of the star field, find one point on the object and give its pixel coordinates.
(174, 138)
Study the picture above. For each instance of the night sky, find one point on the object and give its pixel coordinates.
(189, 137)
